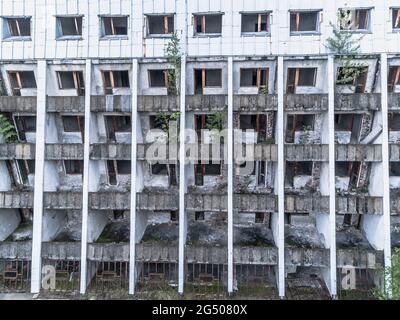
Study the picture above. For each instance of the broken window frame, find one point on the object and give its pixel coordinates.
(393, 77)
(203, 26)
(72, 164)
(392, 116)
(396, 19)
(21, 126)
(268, 15)
(298, 14)
(104, 35)
(78, 80)
(200, 172)
(110, 76)
(358, 82)
(357, 11)
(80, 119)
(260, 125)
(296, 125)
(115, 127)
(9, 29)
(165, 76)
(204, 78)
(114, 172)
(16, 81)
(291, 87)
(24, 169)
(167, 31)
(258, 77)
(78, 23)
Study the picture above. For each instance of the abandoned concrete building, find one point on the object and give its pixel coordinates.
(82, 84)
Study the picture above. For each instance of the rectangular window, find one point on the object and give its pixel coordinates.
(114, 26)
(117, 124)
(21, 80)
(71, 80)
(17, 27)
(255, 22)
(358, 79)
(355, 19)
(25, 168)
(254, 77)
(394, 121)
(117, 167)
(394, 77)
(69, 27)
(210, 24)
(256, 122)
(74, 124)
(159, 169)
(204, 78)
(396, 19)
(303, 77)
(301, 168)
(73, 166)
(298, 122)
(199, 215)
(115, 79)
(394, 168)
(160, 25)
(202, 170)
(24, 124)
(304, 21)
(158, 78)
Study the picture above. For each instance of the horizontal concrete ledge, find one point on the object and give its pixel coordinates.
(307, 203)
(255, 255)
(108, 252)
(359, 204)
(255, 103)
(394, 152)
(62, 200)
(115, 151)
(306, 257)
(203, 254)
(306, 152)
(210, 103)
(158, 103)
(16, 250)
(17, 151)
(18, 104)
(16, 199)
(358, 258)
(61, 250)
(74, 104)
(65, 151)
(154, 252)
(358, 152)
(394, 101)
(306, 102)
(357, 101)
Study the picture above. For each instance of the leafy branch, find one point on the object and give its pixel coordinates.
(7, 130)
(173, 53)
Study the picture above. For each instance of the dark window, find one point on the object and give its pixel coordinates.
(205, 169)
(117, 167)
(306, 21)
(254, 77)
(298, 122)
(69, 26)
(73, 166)
(301, 168)
(394, 121)
(26, 167)
(396, 18)
(394, 168)
(304, 77)
(174, 216)
(207, 78)
(212, 169)
(123, 166)
(256, 122)
(112, 172)
(114, 26)
(17, 27)
(71, 80)
(21, 80)
(117, 124)
(119, 214)
(199, 216)
(115, 79)
(355, 19)
(159, 169)
(73, 123)
(158, 25)
(259, 218)
(158, 78)
(207, 24)
(255, 22)
(394, 77)
(357, 79)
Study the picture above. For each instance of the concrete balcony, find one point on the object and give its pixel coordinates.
(358, 152)
(64, 151)
(306, 257)
(156, 252)
(266, 152)
(359, 204)
(307, 203)
(158, 103)
(210, 103)
(112, 151)
(17, 151)
(306, 102)
(16, 199)
(111, 103)
(304, 152)
(394, 202)
(204, 254)
(62, 200)
(18, 104)
(363, 259)
(357, 101)
(66, 104)
(61, 250)
(157, 201)
(255, 255)
(394, 152)
(394, 101)
(108, 252)
(16, 250)
(109, 200)
(255, 103)
(206, 201)
(255, 202)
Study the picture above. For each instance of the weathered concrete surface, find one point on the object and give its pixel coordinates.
(115, 151)
(111, 103)
(17, 151)
(303, 236)
(253, 236)
(211, 103)
(109, 200)
(362, 259)
(361, 204)
(203, 254)
(115, 232)
(61, 250)
(206, 234)
(316, 257)
(302, 102)
(108, 252)
(16, 199)
(256, 103)
(66, 104)
(395, 235)
(62, 200)
(358, 152)
(158, 103)
(394, 101)
(18, 104)
(71, 151)
(156, 252)
(157, 201)
(350, 237)
(162, 233)
(304, 152)
(15, 250)
(255, 255)
(394, 152)
(357, 101)
(312, 203)
(23, 232)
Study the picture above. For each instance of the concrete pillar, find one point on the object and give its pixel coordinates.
(385, 161)
(281, 181)
(39, 176)
(182, 183)
(332, 191)
(85, 183)
(230, 175)
(132, 238)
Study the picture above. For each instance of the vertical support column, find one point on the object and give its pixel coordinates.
(39, 177)
(385, 161)
(182, 181)
(230, 174)
(132, 250)
(281, 182)
(332, 190)
(85, 183)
